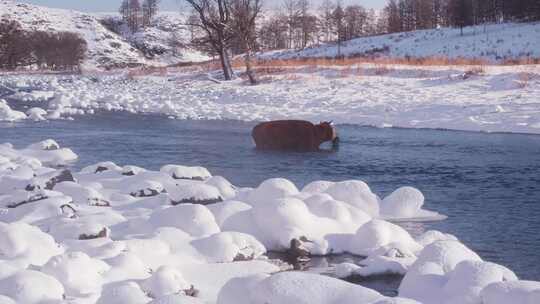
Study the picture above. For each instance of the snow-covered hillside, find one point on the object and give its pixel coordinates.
(493, 43)
(107, 49)
(166, 41)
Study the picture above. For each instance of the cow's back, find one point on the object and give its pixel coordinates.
(284, 135)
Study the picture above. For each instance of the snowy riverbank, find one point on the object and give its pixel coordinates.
(142, 236)
(490, 98)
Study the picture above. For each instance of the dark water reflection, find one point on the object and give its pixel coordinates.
(488, 184)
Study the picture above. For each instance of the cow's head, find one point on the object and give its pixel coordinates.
(327, 131)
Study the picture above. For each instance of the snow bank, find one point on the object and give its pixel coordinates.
(500, 99)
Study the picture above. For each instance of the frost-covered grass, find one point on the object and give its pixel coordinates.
(118, 234)
(477, 98)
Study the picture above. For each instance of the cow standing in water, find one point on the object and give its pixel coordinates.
(295, 135)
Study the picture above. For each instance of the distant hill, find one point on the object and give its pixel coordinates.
(494, 43)
(107, 49)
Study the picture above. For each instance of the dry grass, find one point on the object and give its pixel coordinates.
(326, 62)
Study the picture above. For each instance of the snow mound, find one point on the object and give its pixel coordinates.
(36, 114)
(295, 287)
(227, 210)
(165, 281)
(357, 194)
(32, 287)
(26, 244)
(123, 292)
(378, 235)
(67, 269)
(194, 193)
(468, 279)
(274, 188)
(7, 114)
(229, 246)
(196, 220)
(427, 277)
(82, 195)
(183, 172)
(515, 292)
(227, 190)
(406, 203)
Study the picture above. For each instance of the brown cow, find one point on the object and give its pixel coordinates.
(296, 135)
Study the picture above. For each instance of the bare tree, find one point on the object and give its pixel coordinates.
(292, 12)
(394, 19)
(245, 13)
(327, 25)
(355, 19)
(150, 10)
(338, 16)
(273, 33)
(215, 21)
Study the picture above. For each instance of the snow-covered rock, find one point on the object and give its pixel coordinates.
(67, 269)
(36, 114)
(32, 287)
(357, 194)
(183, 172)
(165, 281)
(377, 235)
(516, 292)
(229, 246)
(194, 193)
(427, 277)
(123, 292)
(26, 244)
(7, 114)
(196, 220)
(295, 287)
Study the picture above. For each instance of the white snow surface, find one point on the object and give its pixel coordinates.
(67, 244)
(492, 42)
(491, 99)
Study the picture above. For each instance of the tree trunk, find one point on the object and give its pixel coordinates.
(249, 71)
(225, 64)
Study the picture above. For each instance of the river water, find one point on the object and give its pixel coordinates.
(487, 184)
